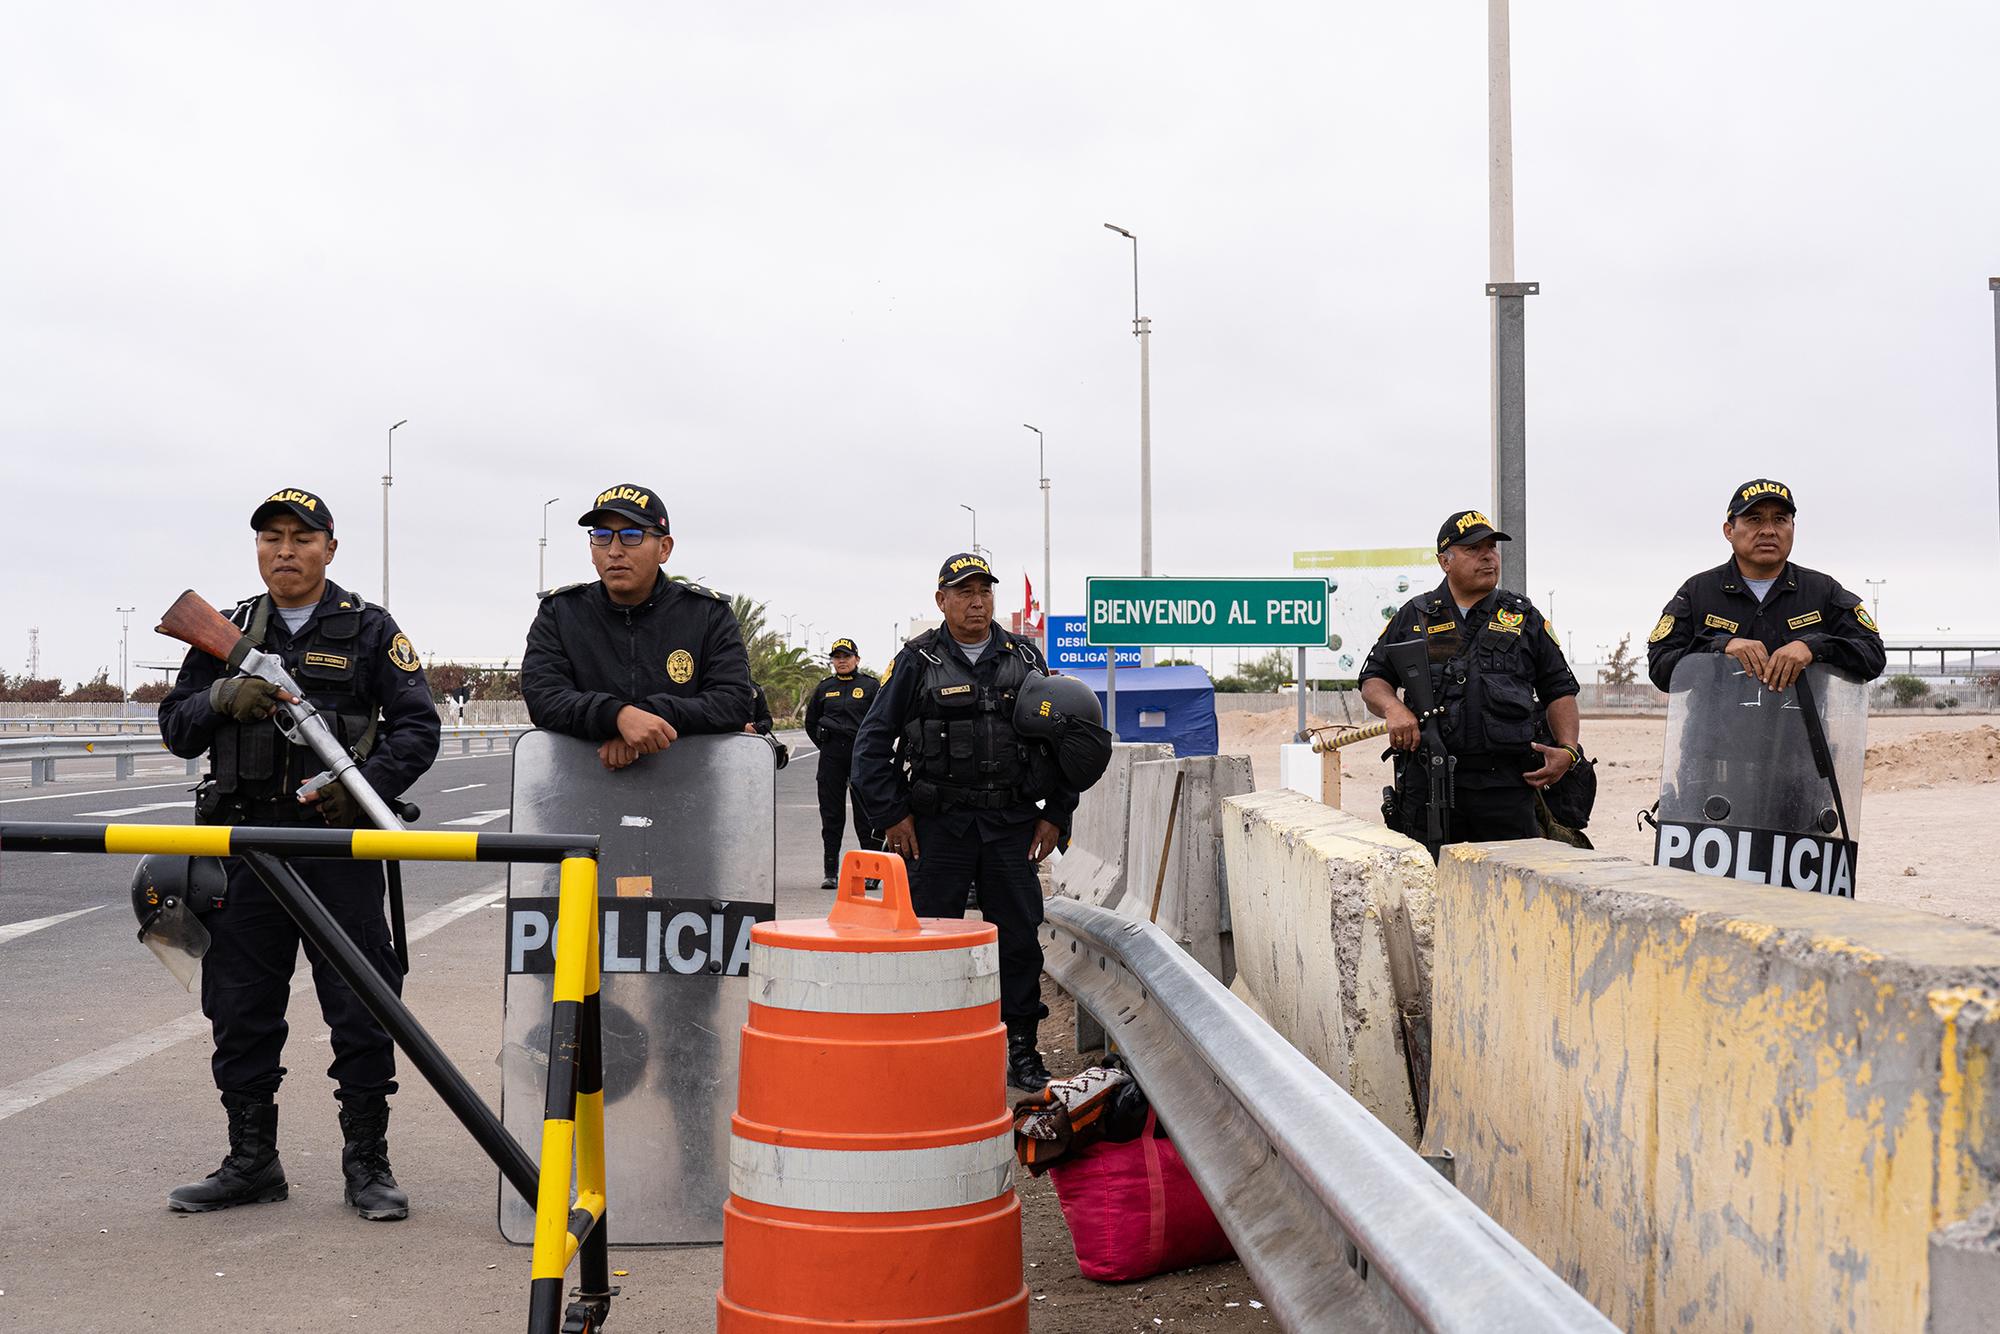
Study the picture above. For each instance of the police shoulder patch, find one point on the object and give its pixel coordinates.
(886, 670)
(1662, 630)
(1867, 621)
(402, 654)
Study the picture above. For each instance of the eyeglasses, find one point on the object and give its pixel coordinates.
(630, 537)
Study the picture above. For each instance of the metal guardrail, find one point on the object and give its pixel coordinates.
(41, 754)
(1339, 1223)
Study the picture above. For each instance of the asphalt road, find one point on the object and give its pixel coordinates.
(106, 1103)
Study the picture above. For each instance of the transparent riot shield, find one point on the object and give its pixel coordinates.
(1741, 792)
(689, 863)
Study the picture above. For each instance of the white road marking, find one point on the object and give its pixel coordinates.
(481, 817)
(141, 810)
(95, 792)
(18, 1097)
(15, 930)
(467, 788)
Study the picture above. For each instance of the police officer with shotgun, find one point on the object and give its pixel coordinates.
(1479, 668)
(361, 678)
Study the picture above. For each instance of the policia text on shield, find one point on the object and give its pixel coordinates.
(573, 1121)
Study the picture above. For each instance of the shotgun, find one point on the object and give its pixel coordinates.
(1410, 660)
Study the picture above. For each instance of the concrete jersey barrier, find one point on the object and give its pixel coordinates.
(1716, 1106)
(1194, 902)
(1315, 895)
(1093, 869)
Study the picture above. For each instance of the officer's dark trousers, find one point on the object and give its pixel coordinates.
(835, 793)
(1010, 897)
(1490, 814)
(246, 979)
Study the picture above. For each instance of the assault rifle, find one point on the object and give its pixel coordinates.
(195, 623)
(1411, 662)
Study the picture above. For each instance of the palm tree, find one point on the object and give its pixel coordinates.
(785, 672)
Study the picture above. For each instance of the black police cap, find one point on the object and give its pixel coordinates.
(965, 565)
(843, 646)
(1756, 491)
(310, 509)
(640, 503)
(1466, 527)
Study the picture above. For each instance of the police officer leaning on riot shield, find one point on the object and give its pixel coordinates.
(1770, 615)
(1493, 659)
(362, 674)
(634, 660)
(941, 771)
(833, 718)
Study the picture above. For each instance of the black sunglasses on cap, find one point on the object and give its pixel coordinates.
(630, 537)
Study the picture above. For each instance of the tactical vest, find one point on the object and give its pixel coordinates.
(252, 765)
(1487, 691)
(959, 746)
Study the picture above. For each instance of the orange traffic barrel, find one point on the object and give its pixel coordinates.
(871, 1155)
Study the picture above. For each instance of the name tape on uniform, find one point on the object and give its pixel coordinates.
(1812, 862)
(691, 937)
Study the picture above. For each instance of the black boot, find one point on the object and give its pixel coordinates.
(832, 880)
(1025, 1070)
(371, 1186)
(251, 1173)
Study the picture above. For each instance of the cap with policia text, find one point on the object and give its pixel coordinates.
(843, 646)
(634, 502)
(962, 567)
(1466, 527)
(1758, 490)
(310, 509)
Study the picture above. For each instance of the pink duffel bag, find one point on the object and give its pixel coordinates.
(1133, 1211)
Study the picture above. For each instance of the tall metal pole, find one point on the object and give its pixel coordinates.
(124, 637)
(1994, 285)
(388, 480)
(975, 525)
(542, 558)
(1875, 593)
(1048, 591)
(1510, 424)
(1142, 329)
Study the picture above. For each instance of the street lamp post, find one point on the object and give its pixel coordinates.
(975, 525)
(542, 557)
(388, 480)
(1048, 591)
(124, 637)
(1875, 592)
(1142, 329)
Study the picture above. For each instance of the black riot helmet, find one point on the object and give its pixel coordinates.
(169, 897)
(1064, 712)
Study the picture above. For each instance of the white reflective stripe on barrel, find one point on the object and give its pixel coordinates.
(899, 982)
(867, 1181)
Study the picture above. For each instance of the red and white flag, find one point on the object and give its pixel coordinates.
(1031, 620)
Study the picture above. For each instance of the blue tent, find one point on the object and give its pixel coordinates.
(1171, 704)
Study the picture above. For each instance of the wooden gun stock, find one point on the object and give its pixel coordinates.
(192, 621)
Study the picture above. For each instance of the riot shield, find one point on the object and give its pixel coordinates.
(1742, 793)
(688, 864)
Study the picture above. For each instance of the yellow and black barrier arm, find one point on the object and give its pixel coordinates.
(576, 1046)
(573, 1118)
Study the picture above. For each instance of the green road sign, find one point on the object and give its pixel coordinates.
(1208, 613)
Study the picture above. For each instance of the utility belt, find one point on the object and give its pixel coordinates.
(213, 806)
(928, 798)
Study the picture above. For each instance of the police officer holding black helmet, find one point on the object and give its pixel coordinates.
(362, 674)
(833, 719)
(1775, 618)
(1494, 664)
(960, 794)
(635, 660)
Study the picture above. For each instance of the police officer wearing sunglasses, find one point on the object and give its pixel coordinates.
(634, 660)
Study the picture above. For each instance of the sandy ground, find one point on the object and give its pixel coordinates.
(1931, 799)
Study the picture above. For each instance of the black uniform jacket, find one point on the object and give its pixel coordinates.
(835, 710)
(1515, 643)
(406, 742)
(678, 654)
(877, 774)
(1717, 606)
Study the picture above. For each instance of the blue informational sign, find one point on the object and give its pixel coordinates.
(1070, 649)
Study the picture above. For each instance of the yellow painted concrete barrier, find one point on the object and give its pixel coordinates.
(1710, 1105)
(1314, 898)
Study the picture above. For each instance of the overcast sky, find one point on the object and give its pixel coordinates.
(806, 269)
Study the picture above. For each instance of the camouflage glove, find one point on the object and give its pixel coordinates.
(244, 698)
(338, 807)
